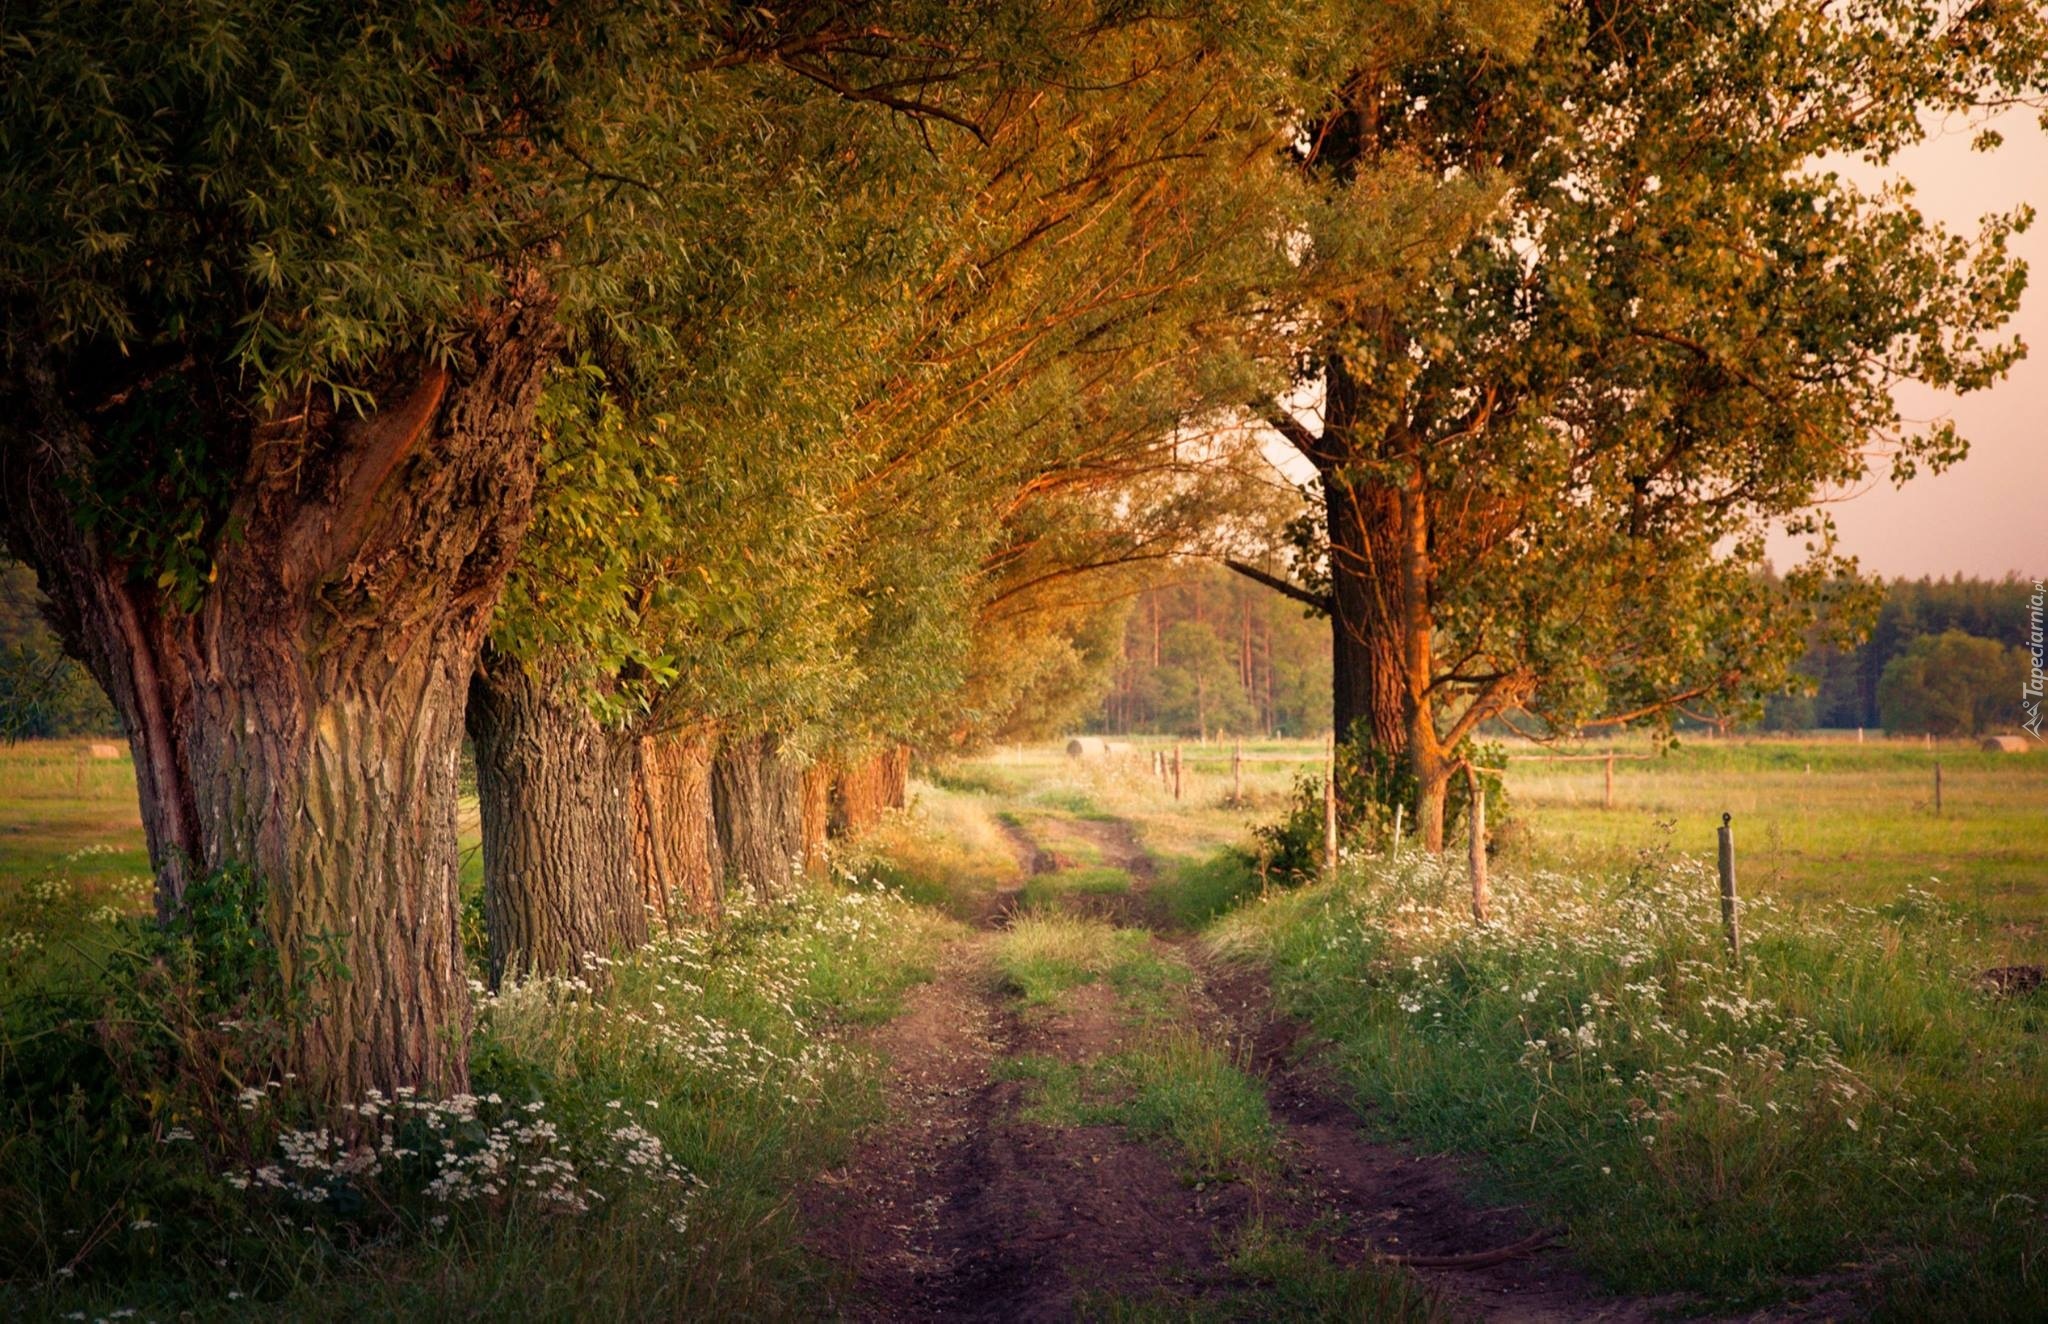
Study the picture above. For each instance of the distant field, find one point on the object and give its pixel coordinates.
(1826, 818)
(1814, 817)
(1817, 817)
(53, 804)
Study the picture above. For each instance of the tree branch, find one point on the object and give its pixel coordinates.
(1287, 588)
(1288, 426)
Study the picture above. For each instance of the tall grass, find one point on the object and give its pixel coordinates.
(1847, 1104)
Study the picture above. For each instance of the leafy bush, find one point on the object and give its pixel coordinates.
(1373, 789)
(1952, 684)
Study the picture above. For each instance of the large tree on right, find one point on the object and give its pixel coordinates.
(1644, 318)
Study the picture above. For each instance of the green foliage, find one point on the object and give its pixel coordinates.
(1952, 684)
(1846, 677)
(1630, 351)
(1372, 785)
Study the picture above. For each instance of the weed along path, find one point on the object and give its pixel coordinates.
(1088, 1117)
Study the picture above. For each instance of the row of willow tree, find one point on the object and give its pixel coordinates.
(697, 404)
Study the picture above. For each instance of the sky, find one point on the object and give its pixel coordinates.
(1987, 516)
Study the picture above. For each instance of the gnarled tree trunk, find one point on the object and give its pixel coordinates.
(1376, 506)
(1368, 694)
(675, 843)
(861, 793)
(554, 789)
(300, 712)
(757, 805)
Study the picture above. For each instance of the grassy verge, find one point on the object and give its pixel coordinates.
(1848, 1104)
(1042, 955)
(627, 1153)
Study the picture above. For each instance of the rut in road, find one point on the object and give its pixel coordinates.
(966, 1204)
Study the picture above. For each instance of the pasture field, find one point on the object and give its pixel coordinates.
(1816, 818)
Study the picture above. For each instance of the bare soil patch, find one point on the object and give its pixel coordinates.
(956, 1209)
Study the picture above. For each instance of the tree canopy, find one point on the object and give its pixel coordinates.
(1551, 443)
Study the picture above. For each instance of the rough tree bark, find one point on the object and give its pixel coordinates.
(817, 815)
(554, 789)
(757, 806)
(304, 717)
(1376, 509)
(897, 774)
(675, 843)
(861, 793)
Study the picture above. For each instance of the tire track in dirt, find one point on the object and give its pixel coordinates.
(1378, 1200)
(958, 1209)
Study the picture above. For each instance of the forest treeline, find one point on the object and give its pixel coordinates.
(1216, 654)
(696, 409)
(1848, 681)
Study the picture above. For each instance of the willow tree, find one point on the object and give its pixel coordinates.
(765, 551)
(672, 573)
(283, 288)
(1549, 445)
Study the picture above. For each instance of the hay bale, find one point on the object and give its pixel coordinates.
(2004, 745)
(101, 749)
(1087, 747)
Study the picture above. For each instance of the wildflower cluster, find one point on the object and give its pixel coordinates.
(426, 1156)
(740, 1002)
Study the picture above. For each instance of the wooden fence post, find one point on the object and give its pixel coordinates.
(1399, 809)
(1330, 805)
(1476, 818)
(1610, 779)
(1237, 773)
(1176, 772)
(1937, 788)
(78, 772)
(1728, 917)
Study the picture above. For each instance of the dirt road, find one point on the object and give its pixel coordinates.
(971, 1204)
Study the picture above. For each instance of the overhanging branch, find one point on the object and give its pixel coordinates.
(1285, 587)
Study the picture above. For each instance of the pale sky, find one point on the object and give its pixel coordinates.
(1988, 515)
